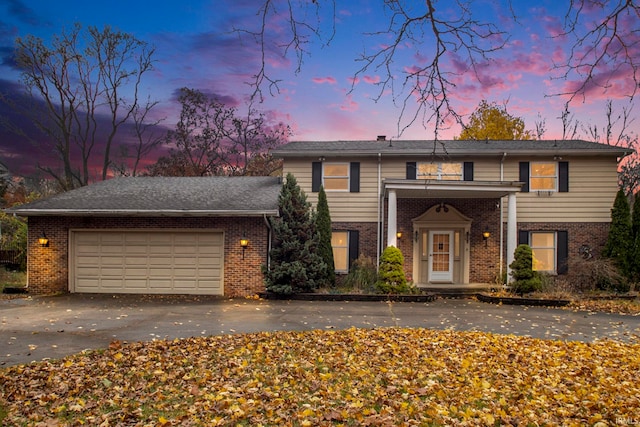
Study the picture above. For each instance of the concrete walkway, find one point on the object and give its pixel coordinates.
(38, 328)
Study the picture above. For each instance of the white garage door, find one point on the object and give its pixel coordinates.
(153, 262)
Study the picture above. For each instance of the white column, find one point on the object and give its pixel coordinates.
(512, 232)
(392, 226)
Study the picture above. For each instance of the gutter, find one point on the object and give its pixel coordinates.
(269, 233)
(135, 212)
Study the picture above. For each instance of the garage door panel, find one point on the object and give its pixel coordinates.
(148, 262)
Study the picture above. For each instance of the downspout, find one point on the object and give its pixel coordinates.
(504, 155)
(266, 221)
(379, 230)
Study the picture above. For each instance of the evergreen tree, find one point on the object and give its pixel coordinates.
(619, 243)
(296, 264)
(634, 262)
(525, 279)
(323, 224)
(391, 278)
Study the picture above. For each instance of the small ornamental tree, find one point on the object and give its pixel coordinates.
(323, 224)
(296, 264)
(619, 241)
(391, 278)
(525, 279)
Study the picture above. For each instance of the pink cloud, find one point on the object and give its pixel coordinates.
(371, 79)
(321, 80)
(349, 104)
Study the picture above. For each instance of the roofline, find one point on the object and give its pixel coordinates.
(140, 213)
(613, 151)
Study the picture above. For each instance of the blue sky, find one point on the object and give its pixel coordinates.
(196, 48)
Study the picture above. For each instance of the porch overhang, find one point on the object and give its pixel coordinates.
(426, 188)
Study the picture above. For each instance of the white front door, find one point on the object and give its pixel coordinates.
(440, 256)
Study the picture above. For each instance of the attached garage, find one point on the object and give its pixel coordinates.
(149, 262)
(153, 235)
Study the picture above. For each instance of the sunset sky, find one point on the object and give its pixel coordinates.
(195, 48)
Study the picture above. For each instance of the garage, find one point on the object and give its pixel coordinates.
(153, 235)
(147, 262)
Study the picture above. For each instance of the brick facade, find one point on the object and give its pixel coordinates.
(48, 267)
(590, 234)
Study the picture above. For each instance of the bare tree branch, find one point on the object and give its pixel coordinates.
(606, 48)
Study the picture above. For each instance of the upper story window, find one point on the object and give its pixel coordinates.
(335, 176)
(544, 176)
(443, 171)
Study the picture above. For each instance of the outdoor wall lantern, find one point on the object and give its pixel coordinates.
(43, 240)
(485, 235)
(244, 243)
(399, 234)
(415, 236)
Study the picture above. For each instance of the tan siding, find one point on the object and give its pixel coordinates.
(343, 206)
(592, 188)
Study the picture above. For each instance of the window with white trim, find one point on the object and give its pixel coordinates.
(340, 245)
(442, 171)
(543, 244)
(543, 176)
(335, 176)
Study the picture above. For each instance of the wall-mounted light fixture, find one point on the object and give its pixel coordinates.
(244, 243)
(399, 234)
(485, 236)
(43, 240)
(415, 236)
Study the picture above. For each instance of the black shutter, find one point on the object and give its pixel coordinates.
(563, 177)
(411, 170)
(467, 171)
(316, 176)
(524, 176)
(562, 252)
(354, 246)
(523, 237)
(354, 177)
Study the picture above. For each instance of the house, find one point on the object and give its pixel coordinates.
(153, 235)
(458, 209)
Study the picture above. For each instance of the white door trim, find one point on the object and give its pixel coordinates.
(445, 255)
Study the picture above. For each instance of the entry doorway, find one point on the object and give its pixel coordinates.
(440, 254)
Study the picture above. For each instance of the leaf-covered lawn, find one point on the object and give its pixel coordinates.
(388, 377)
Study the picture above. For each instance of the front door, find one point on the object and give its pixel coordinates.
(440, 256)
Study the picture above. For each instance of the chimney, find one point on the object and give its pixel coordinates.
(382, 138)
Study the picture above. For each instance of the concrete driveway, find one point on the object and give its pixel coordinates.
(38, 328)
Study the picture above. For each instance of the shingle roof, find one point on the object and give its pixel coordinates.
(446, 147)
(164, 196)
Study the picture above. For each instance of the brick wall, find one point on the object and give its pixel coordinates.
(484, 214)
(592, 234)
(48, 268)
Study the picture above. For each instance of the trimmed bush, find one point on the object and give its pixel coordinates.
(525, 279)
(391, 278)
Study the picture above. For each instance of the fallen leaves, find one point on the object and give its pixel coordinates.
(382, 377)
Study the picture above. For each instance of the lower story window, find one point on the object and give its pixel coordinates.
(340, 245)
(543, 245)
